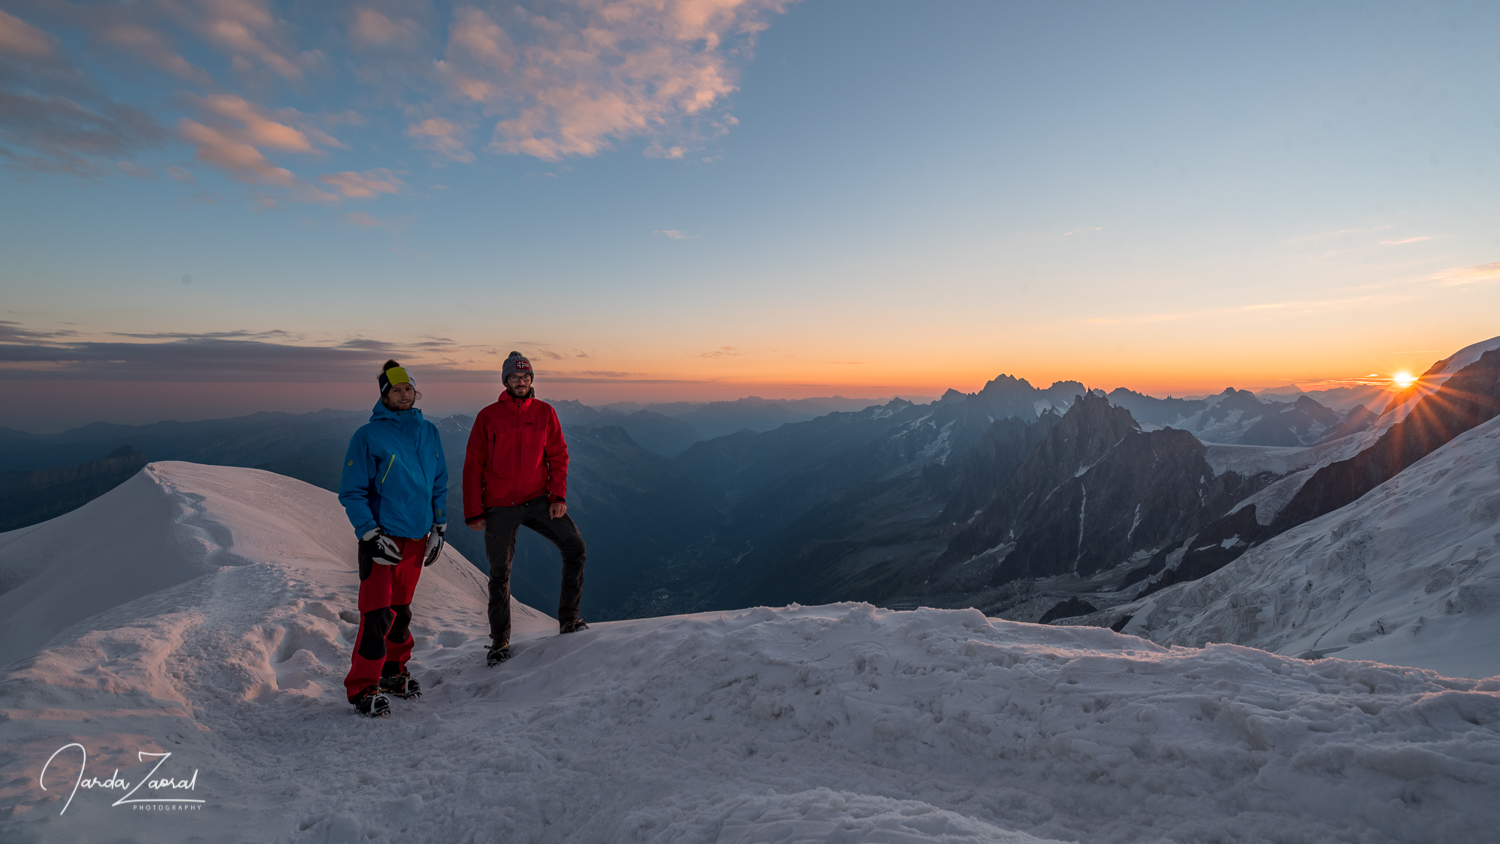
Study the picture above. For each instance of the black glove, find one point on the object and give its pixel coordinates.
(380, 548)
(434, 544)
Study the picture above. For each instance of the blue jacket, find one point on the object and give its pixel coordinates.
(395, 475)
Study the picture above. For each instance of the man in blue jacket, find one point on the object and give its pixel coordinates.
(394, 487)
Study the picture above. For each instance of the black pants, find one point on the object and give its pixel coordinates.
(500, 525)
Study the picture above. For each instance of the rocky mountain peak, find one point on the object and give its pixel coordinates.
(1006, 384)
(1066, 388)
(1092, 419)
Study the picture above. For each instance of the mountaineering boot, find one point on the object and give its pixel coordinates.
(372, 702)
(401, 685)
(572, 626)
(496, 655)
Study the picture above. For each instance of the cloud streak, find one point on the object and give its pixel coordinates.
(234, 356)
(235, 130)
(53, 117)
(1461, 276)
(373, 29)
(366, 185)
(153, 48)
(19, 38)
(249, 33)
(15, 332)
(443, 137)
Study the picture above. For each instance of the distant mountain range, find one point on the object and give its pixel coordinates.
(1408, 572)
(1031, 503)
(41, 494)
(1339, 399)
(715, 419)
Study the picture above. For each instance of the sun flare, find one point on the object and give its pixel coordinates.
(1402, 380)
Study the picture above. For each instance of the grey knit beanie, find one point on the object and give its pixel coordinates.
(515, 364)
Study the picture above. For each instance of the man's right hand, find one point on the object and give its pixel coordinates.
(380, 548)
(477, 524)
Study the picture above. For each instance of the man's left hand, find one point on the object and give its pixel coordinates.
(557, 510)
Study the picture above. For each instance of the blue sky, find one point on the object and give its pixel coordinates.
(711, 198)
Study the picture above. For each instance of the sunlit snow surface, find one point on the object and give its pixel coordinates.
(838, 723)
(1409, 573)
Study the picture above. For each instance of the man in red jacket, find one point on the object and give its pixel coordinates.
(516, 473)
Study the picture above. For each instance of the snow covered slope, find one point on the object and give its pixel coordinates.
(1408, 574)
(837, 723)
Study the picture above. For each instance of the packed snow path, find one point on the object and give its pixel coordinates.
(837, 723)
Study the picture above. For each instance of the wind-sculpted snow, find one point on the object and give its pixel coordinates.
(1410, 573)
(835, 723)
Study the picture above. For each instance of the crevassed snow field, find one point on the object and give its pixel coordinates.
(211, 620)
(1409, 573)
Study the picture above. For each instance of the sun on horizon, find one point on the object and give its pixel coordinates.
(1403, 379)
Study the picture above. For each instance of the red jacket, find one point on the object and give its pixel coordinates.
(516, 453)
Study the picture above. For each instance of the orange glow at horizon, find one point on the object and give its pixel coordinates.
(1404, 379)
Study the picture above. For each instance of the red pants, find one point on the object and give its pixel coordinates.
(384, 641)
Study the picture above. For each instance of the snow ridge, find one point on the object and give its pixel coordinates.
(841, 722)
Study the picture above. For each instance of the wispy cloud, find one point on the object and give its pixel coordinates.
(363, 220)
(1458, 276)
(366, 185)
(130, 168)
(1406, 240)
(372, 28)
(19, 38)
(233, 132)
(723, 352)
(366, 345)
(675, 234)
(53, 117)
(152, 47)
(572, 79)
(230, 357)
(239, 334)
(253, 37)
(444, 137)
(237, 158)
(15, 332)
(185, 359)
(369, 221)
